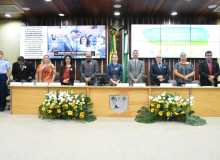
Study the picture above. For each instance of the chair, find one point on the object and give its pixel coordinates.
(173, 81)
(57, 77)
(144, 78)
(152, 81)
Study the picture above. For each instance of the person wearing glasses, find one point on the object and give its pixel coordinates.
(159, 71)
(135, 69)
(209, 71)
(184, 70)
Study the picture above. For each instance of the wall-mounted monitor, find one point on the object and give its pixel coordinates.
(171, 40)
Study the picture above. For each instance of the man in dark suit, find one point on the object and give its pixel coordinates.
(88, 69)
(209, 71)
(23, 70)
(159, 71)
(69, 43)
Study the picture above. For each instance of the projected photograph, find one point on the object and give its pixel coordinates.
(171, 40)
(77, 40)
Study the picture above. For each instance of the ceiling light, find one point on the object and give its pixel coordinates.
(117, 13)
(61, 14)
(48, 0)
(25, 9)
(174, 13)
(7, 15)
(212, 6)
(117, 6)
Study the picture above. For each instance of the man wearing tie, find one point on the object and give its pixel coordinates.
(22, 70)
(88, 69)
(135, 69)
(209, 71)
(159, 71)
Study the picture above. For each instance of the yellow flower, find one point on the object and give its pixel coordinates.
(51, 106)
(152, 110)
(74, 107)
(193, 106)
(58, 111)
(173, 108)
(176, 113)
(158, 105)
(152, 104)
(168, 114)
(173, 103)
(63, 105)
(49, 111)
(81, 103)
(42, 117)
(58, 106)
(160, 113)
(81, 116)
(43, 108)
(178, 103)
(72, 104)
(167, 106)
(70, 113)
(182, 112)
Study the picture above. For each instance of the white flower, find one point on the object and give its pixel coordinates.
(170, 102)
(83, 102)
(163, 94)
(187, 100)
(163, 97)
(150, 97)
(82, 99)
(76, 96)
(191, 98)
(159, 97)
(76, 102)
(59, 103)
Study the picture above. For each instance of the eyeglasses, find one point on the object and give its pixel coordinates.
(135, 53)
(209, 55)
(159, 57)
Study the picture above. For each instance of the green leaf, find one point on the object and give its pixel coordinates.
(191, 112)
(89, 118)
(195, 121)
(140, 111)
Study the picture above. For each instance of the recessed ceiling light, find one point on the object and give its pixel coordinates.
(7, 15)
(48, 0)
(117, 13)
(212, 6)
(61, 14)
(25, 9)
(117, 6)
(174, 13)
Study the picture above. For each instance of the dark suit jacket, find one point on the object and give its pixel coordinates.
(155, 72)
(64, 44)
(91, 72)
(71, 76)
(28, 71)
(204, 73)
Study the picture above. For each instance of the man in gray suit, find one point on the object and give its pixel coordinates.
(88, 69)
(135, 69)
(69, 43)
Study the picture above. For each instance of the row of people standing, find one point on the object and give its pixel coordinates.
(184, 71)
(160, 72)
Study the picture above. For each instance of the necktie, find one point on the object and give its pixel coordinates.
(88, 65)
(135, 63)
(21, 68)
(160, 66)
(210, 68)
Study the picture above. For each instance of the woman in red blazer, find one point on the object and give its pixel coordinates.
(67, 72)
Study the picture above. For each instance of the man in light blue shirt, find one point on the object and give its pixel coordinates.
(5, 69)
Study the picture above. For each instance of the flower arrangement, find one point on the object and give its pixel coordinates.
(66, 105)
(168, 107)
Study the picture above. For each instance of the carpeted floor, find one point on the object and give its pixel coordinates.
(29, 138)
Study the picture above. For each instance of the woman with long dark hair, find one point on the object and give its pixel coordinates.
(67, 71)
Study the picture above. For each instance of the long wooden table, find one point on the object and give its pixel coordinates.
(25, 100)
